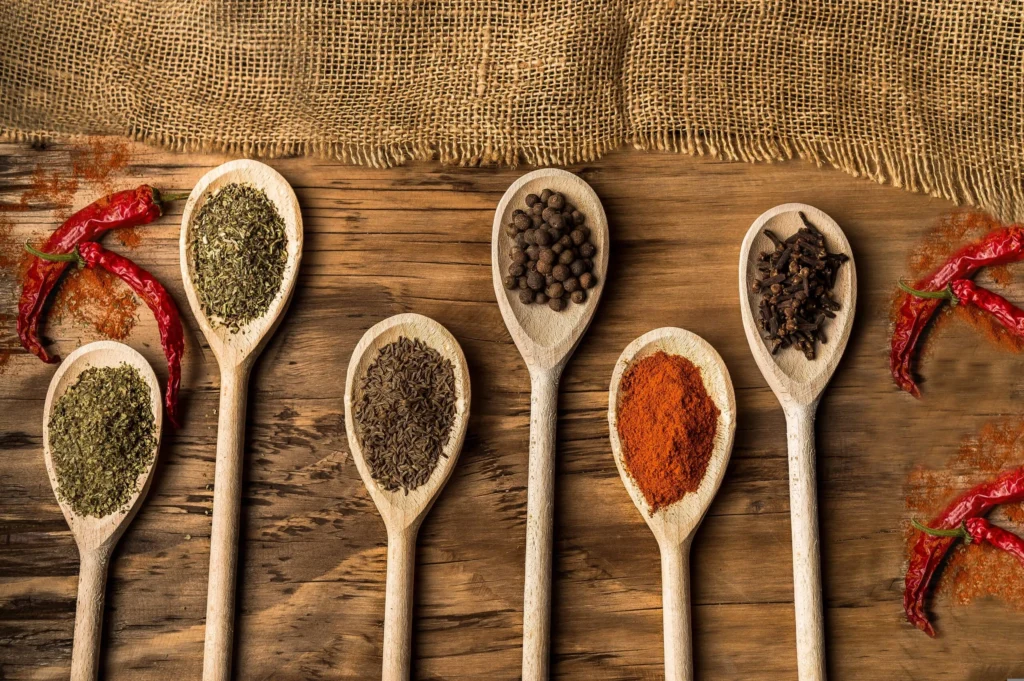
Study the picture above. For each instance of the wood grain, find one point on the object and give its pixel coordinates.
(417, 239)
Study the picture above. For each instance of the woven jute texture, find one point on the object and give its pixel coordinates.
(922, 94)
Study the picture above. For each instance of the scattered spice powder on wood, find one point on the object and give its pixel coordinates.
(976, 570)
(667, 424)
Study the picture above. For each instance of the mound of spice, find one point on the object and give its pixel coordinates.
(405, 416)
(667, 424)
(795, 280)
(553, 258)
(102, 436)
(237, 252)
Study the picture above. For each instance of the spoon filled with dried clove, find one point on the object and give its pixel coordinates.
(546, 336)
(101, 433)
(798, 294)
(407, 398)
(240, 249)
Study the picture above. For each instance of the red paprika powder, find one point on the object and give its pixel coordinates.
(667, 424)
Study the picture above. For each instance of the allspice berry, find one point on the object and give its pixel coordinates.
(551, 257)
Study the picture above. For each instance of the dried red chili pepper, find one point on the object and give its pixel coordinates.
(929, 550)
(998, 248)
(146, 286)
(981, 531)
(966, 292)
(129, 208)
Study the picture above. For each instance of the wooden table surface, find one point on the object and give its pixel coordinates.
(416, 239)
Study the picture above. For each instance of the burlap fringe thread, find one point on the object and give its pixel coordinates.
(938, 178)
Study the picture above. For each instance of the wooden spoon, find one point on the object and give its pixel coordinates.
(235, 353)
(798, 384)
(675, 525)
(96, 537)
(546, 340)
(404, 512)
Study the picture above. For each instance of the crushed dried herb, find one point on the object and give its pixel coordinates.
(237, 252)
(102, 436)
(405, 416)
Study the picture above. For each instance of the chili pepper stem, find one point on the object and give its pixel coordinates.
(73, 256)
(957, 533)
(944, 294)
(176, 196)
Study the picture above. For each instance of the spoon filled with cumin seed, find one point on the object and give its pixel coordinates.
(407, 398)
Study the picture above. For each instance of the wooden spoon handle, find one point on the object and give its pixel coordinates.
(92, 584)
(227, 493)
(540, 501)
(675, 603)
(398, 602)
(803, 504)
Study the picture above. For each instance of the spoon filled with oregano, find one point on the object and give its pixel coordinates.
(101, 432)
(241, 244)
(406, 409)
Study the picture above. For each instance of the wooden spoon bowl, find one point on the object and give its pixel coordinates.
(674, 526)
(235, 352)
(404, 512)
(96, 537)
(546, 339)
(798, 384)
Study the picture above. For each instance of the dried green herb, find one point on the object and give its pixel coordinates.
(102, 436)
(237, 251)
(405, 416)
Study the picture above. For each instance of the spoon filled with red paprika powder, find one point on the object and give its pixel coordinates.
(672, 420)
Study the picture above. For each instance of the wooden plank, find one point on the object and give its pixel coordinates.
(416, 239)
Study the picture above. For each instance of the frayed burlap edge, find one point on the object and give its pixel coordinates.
(937, 177)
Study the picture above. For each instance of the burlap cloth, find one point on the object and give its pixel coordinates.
(922, 94)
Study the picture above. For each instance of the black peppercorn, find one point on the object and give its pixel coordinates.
(556, 201)
(555, 290)
(521, 282)
(526, 296)
(537, 208)
(577, 237)
(532, 252)
(530, 236)
(544, 267)
(540, 298)
(576, 267)
(558, 248)
(556, 304)
(532, 199)
(588, 250)
(542, 237)
(578, 217)
(510, 282)
(531, 265)
(579, 296)
(545, 195)
(536, 221)
(566, 257)
(556, 220)
(521, 241)
(571, 284)
(521, 220)
(560, 272)
(535, 280)
(549, 280)
(566, 241)
(518, 257)
(515, 270)
(587, 280)
(547, 255)
(511, 230)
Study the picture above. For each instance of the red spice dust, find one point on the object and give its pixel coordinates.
(974, 570)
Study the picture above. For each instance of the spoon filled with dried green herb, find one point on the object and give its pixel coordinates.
(241, 245)
(101, 431)
(406, 409)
